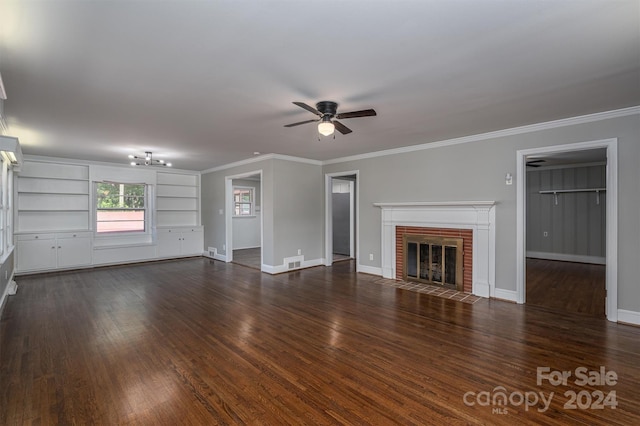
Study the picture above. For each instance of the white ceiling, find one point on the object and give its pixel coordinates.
(206, 83)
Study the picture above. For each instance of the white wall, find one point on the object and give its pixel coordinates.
(298, 211)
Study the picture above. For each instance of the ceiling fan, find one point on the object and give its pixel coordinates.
(535, 163)
(328, 113)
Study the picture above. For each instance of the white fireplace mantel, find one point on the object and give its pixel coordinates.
(478, 216)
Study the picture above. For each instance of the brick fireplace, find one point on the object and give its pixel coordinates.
(466, 235)
(473, 221)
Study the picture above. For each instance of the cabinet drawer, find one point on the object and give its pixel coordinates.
(32, 237)
(74, 235)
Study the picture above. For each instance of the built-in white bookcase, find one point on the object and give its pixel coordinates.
(54, 217)
(52, 197)
(177, 199)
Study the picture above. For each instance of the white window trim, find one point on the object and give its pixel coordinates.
(148, 215)
(253, 201)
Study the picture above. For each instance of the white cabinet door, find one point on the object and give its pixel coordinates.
(193, 242)
(36, 254)
(169, 243)
(74, 251)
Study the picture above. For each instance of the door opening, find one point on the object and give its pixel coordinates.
(567, 228)
(244, 237)
(340, 217)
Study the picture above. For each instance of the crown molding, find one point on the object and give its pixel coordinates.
(497, 134)
(264, 158)
(60, 160)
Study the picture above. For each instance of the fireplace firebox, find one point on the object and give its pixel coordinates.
(434, 260)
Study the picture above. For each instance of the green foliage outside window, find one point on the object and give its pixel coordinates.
(120, 196)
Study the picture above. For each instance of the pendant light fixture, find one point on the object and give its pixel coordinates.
(147, 160)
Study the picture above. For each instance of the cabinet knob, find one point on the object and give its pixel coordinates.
(53, 247)
(36, 237)
(74, 235)
(59, 247)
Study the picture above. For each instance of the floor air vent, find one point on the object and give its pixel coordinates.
(294, 262)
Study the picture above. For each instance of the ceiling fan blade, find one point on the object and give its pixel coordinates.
(299, 123)
(308, 108)
(535, 163)
(341, 127)
(354, 114)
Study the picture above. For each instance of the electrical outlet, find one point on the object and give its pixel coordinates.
(299, 252)
(220, 211)
(545, 234)
(370, 256)
(224, 247)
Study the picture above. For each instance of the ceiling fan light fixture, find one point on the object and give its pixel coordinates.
(326, 127)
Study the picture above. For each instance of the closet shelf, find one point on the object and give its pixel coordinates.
(562, 191)
(555, 192)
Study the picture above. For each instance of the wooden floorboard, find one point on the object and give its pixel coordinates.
(199, 341)
(251, 257)
(566, 286)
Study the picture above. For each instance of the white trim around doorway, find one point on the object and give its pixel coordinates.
(328, 222)
(228, 218)
(611, 146)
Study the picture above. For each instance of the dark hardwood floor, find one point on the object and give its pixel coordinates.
(202, 342)
(251, 257)
(566, 286)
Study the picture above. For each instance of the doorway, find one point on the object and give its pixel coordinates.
(342, 212)
(244, 219)
(340, 217)
(567, 228)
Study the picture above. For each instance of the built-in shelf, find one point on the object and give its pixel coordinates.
(53, 193)
(52, 196)
(51, 178)
(53, 201)
(45, 210)
(177, 199)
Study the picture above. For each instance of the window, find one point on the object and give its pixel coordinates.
(242, 201)
(120, 207)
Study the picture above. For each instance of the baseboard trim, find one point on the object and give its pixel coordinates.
(596, 260)
(10, 289)
(221, 257)
(508, 295)
(372, 270)
(629, 317)
(279, 269)
(5, 295)
(481, 289)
